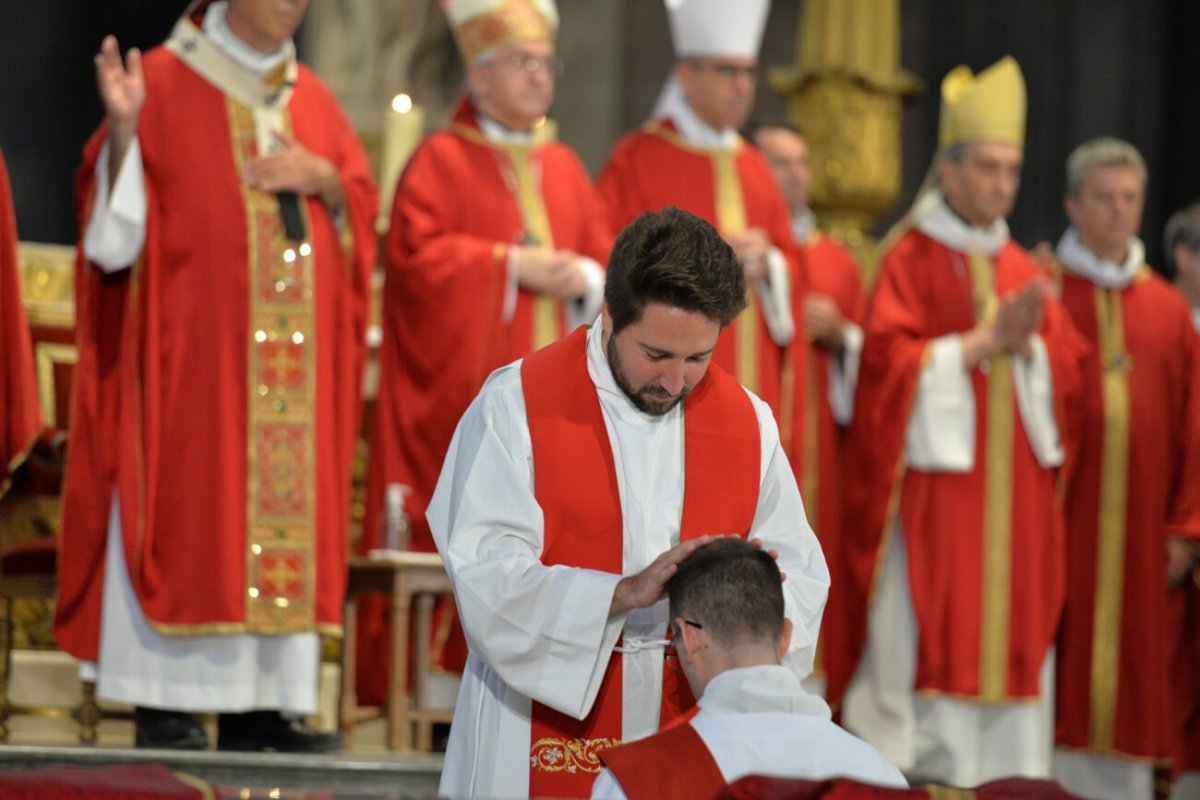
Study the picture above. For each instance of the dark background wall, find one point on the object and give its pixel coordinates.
(1122, 67)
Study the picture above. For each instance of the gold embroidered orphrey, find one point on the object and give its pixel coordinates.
(281, 513)
(569, 755)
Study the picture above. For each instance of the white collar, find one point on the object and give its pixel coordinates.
(768, 688)
(1108, 274)
(217, 29)
(606, 384)
(694, 130)
(803, 224)
(495, 132)
(933, 217)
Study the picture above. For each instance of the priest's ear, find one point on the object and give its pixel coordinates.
(785, 637)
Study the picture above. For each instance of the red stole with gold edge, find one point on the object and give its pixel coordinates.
(583, 526)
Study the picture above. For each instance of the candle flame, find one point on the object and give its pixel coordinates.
(402, 104)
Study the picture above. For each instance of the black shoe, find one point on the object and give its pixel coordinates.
(270, 730)
(441, 736)
(168, 730)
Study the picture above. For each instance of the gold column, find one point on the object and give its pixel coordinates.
(845, 93)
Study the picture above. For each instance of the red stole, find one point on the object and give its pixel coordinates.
(643, 768)
(584, 528)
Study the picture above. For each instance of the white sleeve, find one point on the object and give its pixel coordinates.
(782, 525)
(941, 427)
(117, 228)
(509, 307)
(775, 296)
(544, 630)
(1034, 386)
(606, 787)
(843, 374)
(587, 308)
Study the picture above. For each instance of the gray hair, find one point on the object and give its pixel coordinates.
(1183, 228)
(954, 152)
(1106, 151)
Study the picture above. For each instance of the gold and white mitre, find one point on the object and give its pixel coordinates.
(988, 107)
(480, 26)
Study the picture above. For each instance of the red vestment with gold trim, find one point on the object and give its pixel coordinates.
(218, 380)
(1114, 694)
(924, 291)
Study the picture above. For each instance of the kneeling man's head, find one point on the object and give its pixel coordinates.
(726, 607)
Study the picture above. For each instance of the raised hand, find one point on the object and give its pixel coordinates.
(121, 85)
(648, 586)
(1019, 317)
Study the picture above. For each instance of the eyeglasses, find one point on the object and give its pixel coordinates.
(727, 71)
(528, 64)
(670, 654)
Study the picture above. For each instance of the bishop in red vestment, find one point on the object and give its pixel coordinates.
(494, 250)
(955, 538)
(221, 316)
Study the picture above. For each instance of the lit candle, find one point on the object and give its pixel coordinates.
(402, 127)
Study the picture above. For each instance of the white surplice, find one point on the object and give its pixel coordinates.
(760, 721)
(544, 632)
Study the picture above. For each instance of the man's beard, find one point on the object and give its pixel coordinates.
(651, 399)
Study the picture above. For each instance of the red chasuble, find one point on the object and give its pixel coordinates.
(833, 273)
(645, 768)
(722, 462)
(734, 190)
(20, 414)
(1185, 678)
(985, 548)
(218, 378)
(458, 207)
(1135, 481)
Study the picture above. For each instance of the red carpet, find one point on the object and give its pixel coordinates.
(140, 782)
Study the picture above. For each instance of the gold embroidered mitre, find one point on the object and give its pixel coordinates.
(988, 107)
(481, 26)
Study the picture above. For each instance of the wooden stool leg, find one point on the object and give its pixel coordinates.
(398, 714)
(421, 679)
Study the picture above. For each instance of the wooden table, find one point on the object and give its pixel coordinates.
(406, 577)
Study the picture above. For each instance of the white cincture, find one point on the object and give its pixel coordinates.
(635, 644)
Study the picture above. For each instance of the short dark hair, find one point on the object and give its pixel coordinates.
(675, 258)
(733, 589)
